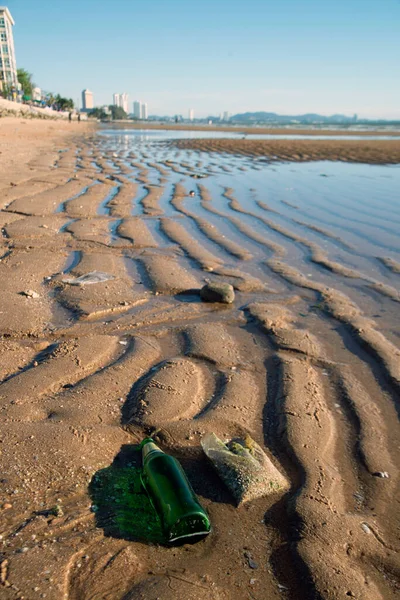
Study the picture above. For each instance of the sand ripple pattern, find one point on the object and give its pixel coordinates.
(306, 361)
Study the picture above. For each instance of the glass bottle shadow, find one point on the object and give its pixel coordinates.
(121, 505)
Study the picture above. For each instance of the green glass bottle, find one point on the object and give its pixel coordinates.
(182, 516)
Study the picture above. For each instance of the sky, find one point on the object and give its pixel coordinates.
(284, 56)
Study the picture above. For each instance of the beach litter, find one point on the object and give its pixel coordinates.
(145, 496)
(382, 474)
(88, 278)
(244, 467)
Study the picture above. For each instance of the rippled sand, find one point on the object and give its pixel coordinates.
(304, 150)
(306, 360)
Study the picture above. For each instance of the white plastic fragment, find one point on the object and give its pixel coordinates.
(365, 528)
(382, 474)
(89, 278)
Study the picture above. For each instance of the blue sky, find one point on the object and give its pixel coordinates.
(286, 56)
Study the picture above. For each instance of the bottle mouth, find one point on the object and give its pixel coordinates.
(148, 446)
(189, 528)
(146, 441)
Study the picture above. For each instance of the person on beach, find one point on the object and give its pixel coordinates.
(70, 116)
(79, 117)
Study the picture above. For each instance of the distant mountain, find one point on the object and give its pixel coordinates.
(270, 117)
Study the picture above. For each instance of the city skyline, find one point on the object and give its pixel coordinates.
(285, 58)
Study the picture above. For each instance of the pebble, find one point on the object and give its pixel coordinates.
(6, 506)
(30, 294)
(218, 292)
(252, 563)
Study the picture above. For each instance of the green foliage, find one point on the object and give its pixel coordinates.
(49, 98)
(58, 102)
(25, 79)
(64, 103)
(97, 113)
(5, 90)
(117, 113)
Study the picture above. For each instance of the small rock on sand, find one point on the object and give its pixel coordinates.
(218, 292)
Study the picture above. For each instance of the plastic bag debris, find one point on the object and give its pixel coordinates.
(244, 468)
(88, 278)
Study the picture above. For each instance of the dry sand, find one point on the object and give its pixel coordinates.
(87, 371)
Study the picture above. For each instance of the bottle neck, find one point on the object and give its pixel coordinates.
(149, 447)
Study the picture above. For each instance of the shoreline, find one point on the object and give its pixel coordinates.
(247, 130)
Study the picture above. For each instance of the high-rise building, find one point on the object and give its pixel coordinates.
(8, 67)
(226, 116)
(143, 111)
(191, 114)
(137, 112)
(125, 102)
(140, 110)
(121, 100)
(87, 100)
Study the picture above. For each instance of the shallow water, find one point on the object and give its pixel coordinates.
(348, 212)
(147, 135)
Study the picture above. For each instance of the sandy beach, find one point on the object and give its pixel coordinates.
(306, 360)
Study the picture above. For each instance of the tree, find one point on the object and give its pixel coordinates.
(97, 113)
(117, 113)
(63, 103)
(49, 98)
(25, 79)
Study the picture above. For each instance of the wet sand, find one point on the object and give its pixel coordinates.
(306, 360)
(359, 151)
